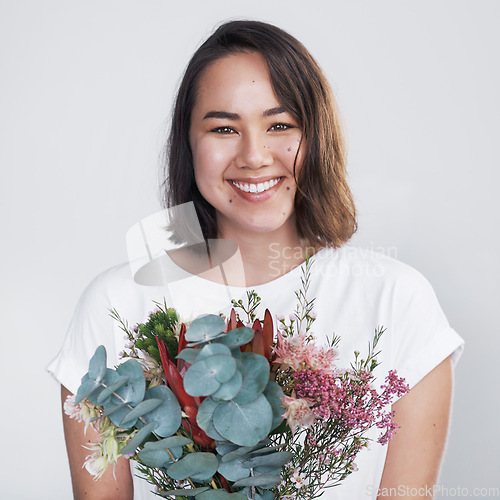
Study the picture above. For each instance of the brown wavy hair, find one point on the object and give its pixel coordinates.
(324, 206)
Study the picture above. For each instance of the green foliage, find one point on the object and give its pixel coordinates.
(161, 324)
(253, 301)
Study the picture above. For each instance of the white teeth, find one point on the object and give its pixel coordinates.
(256, 188)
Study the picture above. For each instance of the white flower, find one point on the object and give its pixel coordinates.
(72, 410)
(297, 480)
(298, 412)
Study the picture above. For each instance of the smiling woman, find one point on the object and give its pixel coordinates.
(259, 88)
(256, 145)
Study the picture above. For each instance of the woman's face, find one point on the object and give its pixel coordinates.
(244, 146)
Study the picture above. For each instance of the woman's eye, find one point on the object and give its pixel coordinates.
(281, 126)
(223, 130)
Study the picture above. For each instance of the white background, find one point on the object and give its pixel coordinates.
(85, 93)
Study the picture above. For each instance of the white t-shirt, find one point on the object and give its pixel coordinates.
(355, 291)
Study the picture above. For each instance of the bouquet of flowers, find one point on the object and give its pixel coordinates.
(219, 409)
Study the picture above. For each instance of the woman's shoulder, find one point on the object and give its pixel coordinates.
(111, 284)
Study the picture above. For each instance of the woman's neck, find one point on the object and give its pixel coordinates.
(267, 256)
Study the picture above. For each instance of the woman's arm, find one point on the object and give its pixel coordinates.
(414, 454)
(84, 486)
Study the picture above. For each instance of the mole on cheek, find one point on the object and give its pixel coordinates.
(288, 188)
(289, 149)
(230, 201)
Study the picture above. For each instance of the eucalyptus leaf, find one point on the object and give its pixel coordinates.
(264, 481)
(141, 409)
(117, 413)
(183, 493)
(222, 367)
(97, 364)
(189, 355)
(237, 337)
(244, 424)
(258, 494)
(205, 328)
(255, 379)
(274, 394)
(104, 396)
(233, 470)
(168, 415)
(239, 453)
(199, 380)
(139, 438)
(206, 412)
(275, 460)
(231, 388)
(225, 447)
(220, 495)
(197, 466)
(169, 442)
(133, 391)
(87, 388)
(212, 350)
(155, 458)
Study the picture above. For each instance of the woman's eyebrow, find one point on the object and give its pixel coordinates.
(226, 115)
(274, 111)
(222, 114)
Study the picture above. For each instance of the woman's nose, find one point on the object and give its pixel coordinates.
(254, 152)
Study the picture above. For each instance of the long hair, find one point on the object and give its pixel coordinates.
(324, 207)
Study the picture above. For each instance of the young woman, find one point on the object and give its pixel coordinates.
(256, 145)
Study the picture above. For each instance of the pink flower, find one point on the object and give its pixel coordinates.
(298, 412)
(320, 358)
(291, 351)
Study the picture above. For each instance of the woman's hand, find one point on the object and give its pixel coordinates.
(84, 486)
(414, 454)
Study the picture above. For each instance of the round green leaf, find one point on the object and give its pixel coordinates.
(205, 328)
(244, 424)
(212, 350)
(222, 367)
(255, 379)
(237, 337)
(168, 415)
(199, 380)
(229, 389)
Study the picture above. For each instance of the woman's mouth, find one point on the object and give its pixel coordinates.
(256, 188)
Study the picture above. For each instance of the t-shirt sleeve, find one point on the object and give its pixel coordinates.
(423, 336)
(90, 327)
